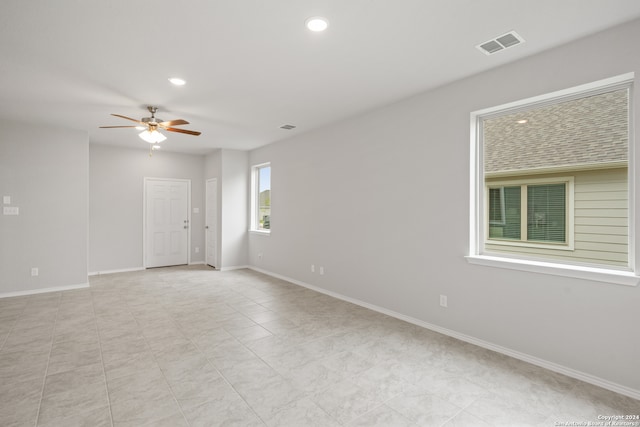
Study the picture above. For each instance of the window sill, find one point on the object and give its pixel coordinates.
(618, 277)
(260, 232)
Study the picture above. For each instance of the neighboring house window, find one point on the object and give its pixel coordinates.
(261, 198)
(531, 213)
(552, 178)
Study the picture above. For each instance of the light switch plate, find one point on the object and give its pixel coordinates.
(11, 210)
(6, 200)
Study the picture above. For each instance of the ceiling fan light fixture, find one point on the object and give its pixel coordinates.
(152, 137)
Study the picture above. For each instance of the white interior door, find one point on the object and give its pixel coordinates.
(212, 222)
(167, 222)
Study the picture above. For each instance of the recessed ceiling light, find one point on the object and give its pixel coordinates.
(317, 24)
(177, 81)
(523, 121)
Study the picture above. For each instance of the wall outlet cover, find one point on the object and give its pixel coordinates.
(443, 301)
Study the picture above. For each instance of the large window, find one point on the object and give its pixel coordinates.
(551, 179)
(261, 198)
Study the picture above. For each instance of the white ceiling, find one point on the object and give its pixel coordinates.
(251, 65)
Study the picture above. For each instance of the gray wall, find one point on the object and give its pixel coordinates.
(116, 203)
(234, 205)
(231, 168)
(381, 201)
(213, 169)
(45, 171)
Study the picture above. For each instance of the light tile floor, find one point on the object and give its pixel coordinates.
(190, 346)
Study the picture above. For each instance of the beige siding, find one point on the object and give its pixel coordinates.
(600, 220)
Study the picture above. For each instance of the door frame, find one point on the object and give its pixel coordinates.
(146, 179)
(213, 182)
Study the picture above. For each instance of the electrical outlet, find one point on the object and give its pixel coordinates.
(313, 268)
(443, 301)
(322, 271)
(34, 271)
(260, 256)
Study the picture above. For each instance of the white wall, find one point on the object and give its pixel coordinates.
(381, 201)
(116, 203)
(213, 169)
(231, 169)
(234, 211)
(45, 172)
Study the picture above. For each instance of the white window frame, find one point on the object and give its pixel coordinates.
(478, 200)
(255, 199)
(503, 212)
(567, 245)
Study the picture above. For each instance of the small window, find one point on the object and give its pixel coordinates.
(547, 213)
(504, 213)
(532, 213)
(261, 200)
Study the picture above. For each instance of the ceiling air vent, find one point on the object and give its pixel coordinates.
(500, 43)
(287, 127)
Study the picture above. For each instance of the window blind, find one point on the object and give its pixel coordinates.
(546, 213)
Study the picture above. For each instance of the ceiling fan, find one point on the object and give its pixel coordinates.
(152, 125)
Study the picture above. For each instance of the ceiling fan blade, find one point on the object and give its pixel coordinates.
(173, 123)
(129, 118)
(188, 132)
(106, 127)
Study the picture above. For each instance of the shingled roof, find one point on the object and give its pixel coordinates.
(585, 131)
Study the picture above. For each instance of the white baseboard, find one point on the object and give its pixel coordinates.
(233, 267)
(197, 263)
(43, 290)
(582, 376)
(122, 270)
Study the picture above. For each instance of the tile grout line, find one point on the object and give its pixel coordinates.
(305, 393)
(215, 367)
(104, 372)
(44, 380)
(300, 344)
(164, 377)
(210, 362)
(15, 322)
(350, 379)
